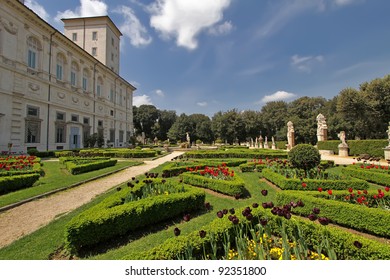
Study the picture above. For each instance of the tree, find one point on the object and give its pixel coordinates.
(201, 128)
(228, 126)
(144, 119)
(252, 123)
(164, 122)
(179, 129)
(273, 116)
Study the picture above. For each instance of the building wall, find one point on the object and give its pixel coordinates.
(32, 99)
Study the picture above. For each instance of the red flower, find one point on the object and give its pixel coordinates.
(304, 184)
(350, 190)
(320, 189)
(365, 192)
(387, 189)
(330, 192)
(359, 192)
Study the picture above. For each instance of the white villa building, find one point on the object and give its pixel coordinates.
(57, 89)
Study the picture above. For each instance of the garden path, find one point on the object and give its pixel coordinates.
(29, 217)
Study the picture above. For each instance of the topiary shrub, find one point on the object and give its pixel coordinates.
(304, 156)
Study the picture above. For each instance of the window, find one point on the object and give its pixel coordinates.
(94, 51)
(85, 79)
(112, 41)
(112, 95)
(86, 121)
(100, 123)
(74, 37)
(73, 74)
(121, 134)
(120, 97)
(112, 135)
(60, 66)
(32, 112)
(112, 56)
(75, 118)
(94, 35)
(111, 113)
(33, 125)
(99, 86)
(34, 47)
(60, 133)
(60, 116)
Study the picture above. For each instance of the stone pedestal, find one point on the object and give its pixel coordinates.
(273, 147)
(387, 153)
(265, 145)
(343, 151)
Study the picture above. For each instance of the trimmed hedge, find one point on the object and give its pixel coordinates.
(112, 218)
(117, 153)
(66, 159)
(17, 182)
(340, 240)
(356, 147)
(36, 169)
(371, 220)
(370, 176)
(173, 169)
(312, 184)
(228, 187)
(240, 153)
(252, 166)
(75, 168)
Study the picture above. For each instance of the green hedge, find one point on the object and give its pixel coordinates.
(252, 166)
(176, 168)
(74, 158)
(112, 218)
(75, 168)
(228, 187)
(356, 147)
(312, 184)
(118, 153)
(36, 169)
(17, 182)
(371, 220)
(239, 153)
(370, 176)
(340, 240)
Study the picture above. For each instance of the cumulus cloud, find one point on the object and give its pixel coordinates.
(184, 20)
(278, 96)
(159, 92)
(221, 29)
(87, 8)
(202, 104)
(37, 8)
(132, 28)
(139, 100)
(305, 63)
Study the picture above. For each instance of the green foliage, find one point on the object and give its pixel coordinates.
(341, 241)
(75, 168)
(371, 220)
(238, 153)
(233, 187)
(304, 156)
(368, 175)
(112, 217)
(312, 184)
(356, 147)
(17, 182)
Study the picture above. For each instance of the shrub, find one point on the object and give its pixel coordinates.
(112, 217)
(17, 182)
(304, 156)
(75, 168)
(370, 176)
(237, 153)
(356, 147)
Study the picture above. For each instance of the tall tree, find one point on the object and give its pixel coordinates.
(164, 122)
(229, 126)
(273, 116)
(145, 117)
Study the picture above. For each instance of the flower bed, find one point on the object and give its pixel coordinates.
(219, 179)
(78, 167)
(371, 220)
(113, 217)
(371, 173)
(15, 165)
(117, 153)
(346, 245)
(312, 184)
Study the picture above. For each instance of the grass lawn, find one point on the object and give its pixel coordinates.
(58, 177)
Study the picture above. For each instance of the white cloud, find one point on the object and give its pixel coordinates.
(305, 63)
(139, 100)
(278, 96)
(37, 8)
(221, 29)
(345, 2)
(87, 8)
(159, 92)
(202, 104)
(184, 20)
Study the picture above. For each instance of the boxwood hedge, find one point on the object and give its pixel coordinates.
(356, 147)
(312, 184)
(75, 168)
(112, 217)
(17, 182)
(238, 153)
(368, 175)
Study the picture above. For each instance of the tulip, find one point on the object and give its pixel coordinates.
(357, 244)
(202, 233)
(176, 231)
(187, 217)
(255, 205)
(316, 210)
(312, 217)
(220, 214)
(264, 192)
(323, 221)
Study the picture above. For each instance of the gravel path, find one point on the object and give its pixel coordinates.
(27, 218)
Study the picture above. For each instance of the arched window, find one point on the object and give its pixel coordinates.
(33, 52)
(74, 70)
(99, 86)
(61, 61)
(85, 79)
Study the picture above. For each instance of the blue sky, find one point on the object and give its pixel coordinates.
(205, 56)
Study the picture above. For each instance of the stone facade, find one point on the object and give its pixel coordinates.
(53, 92)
